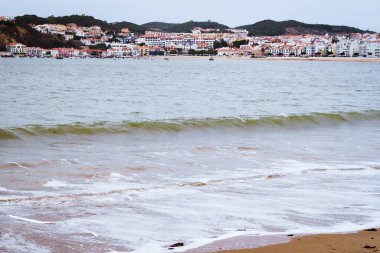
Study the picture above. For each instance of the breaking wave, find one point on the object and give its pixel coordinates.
(187, 124)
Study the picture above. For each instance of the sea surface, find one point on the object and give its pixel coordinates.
(137, 155)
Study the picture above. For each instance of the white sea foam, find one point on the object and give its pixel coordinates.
(16, 243)
(31, 220)
(91, 232)
(3, 189)
(60, 184)
(117, 176)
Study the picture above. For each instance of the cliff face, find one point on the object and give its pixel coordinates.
(13, 32)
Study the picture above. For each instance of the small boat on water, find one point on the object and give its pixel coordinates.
(211, 59)
(59, 57)
(166, 59)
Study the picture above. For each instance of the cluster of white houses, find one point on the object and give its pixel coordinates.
(126, 43)
(72, 30)
(127, 50)
(352, 45)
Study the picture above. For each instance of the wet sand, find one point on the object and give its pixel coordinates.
(362, 242)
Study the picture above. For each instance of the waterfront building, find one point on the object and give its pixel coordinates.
(373, 49)
(226, 51)
(16, 48)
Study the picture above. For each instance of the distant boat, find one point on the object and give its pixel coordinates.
(211, 59)
(59, 57)
(166, 59)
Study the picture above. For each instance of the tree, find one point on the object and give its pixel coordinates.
(220, 44)
(114, 39)
(173, 51)
(191, 52)
(100, 46)
(239, 43)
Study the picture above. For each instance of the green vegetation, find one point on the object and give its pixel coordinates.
(183, 27)
(220, 44)
(132, 27)
(100, 46)
(80, 20)
(273, 28)
(239, 43)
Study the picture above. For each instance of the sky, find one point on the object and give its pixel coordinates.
(362, 14)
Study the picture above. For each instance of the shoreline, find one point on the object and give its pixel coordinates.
(364, 241)
(225, 58)
(244, 58)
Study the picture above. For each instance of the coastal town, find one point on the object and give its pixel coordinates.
(98, 43)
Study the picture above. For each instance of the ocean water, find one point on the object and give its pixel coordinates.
(136, 155)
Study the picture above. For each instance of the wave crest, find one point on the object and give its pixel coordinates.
(187, 124)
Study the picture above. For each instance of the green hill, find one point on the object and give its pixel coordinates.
(13, 32)
(117, 26)
(273, 28)
(183, 27)
(81, 20)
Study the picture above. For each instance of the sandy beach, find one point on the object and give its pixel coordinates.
(367, 241)
(246, 58)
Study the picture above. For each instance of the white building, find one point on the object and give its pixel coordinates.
(16, 48)
(34, 51)
(154, 41)
(343, 48)
(241, 33)
(226, 51)
(373, 49)
(117, 45)
(309, 49)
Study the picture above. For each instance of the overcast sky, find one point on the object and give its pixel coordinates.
(364, 14)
